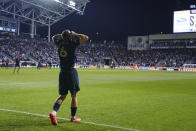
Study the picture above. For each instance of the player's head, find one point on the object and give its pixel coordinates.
(66, 35)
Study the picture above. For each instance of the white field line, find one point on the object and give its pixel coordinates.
(92, 123)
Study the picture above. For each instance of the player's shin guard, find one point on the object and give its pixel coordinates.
(73, 111)
(56, 106)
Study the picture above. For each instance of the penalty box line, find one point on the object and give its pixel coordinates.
(85, 122)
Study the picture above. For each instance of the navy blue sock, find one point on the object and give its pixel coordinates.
(56, 106)
(73, 111)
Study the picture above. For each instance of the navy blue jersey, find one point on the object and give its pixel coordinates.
(17, 61)
(66, 52)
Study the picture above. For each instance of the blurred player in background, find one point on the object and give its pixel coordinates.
(17, 64)
(67, 42)
(7, 64)
(3, 63)
(136, 67)
(49, 64)
(39, 65)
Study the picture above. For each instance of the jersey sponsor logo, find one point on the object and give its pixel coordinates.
(63, 52)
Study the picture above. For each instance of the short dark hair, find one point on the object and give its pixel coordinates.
(66, 35)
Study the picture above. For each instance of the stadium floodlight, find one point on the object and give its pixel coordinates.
(58, 1)
(72, 3)
(193, 6)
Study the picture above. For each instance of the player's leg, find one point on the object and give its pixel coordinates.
(14, 69)
(63, 91)
(18, 68)
(58, 103)
(74, 101)
(56, 107)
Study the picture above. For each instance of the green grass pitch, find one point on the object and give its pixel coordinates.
(141, 100)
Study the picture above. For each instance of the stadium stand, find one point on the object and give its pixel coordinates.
(94, 53)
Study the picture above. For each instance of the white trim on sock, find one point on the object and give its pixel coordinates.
(54, 112)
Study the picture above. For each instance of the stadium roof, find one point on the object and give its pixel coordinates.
(45, 12)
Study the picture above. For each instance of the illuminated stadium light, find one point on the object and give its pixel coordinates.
(58, 1)
(72, 3)
(68, 3)
(193, 6)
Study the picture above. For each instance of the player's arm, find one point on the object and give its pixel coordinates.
(83, 38)
(56, 37)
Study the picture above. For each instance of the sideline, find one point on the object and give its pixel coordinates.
(85, 122)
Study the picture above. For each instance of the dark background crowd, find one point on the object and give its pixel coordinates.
(99, 53)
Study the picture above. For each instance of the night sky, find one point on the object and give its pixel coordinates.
(118, 19)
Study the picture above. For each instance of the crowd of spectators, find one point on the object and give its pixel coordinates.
(95, 53)
(28, 50)
(159, 57)
(14, 47)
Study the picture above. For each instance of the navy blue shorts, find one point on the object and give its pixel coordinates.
(17, 65)
(68, 81)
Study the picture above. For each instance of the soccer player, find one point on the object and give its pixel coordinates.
(17, 64)
(50, 64)
(39, 65)
(67, 42)
(3, 63)
(7, 64)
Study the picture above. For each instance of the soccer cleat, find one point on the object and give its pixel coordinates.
(75, 119)
(53, 119)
